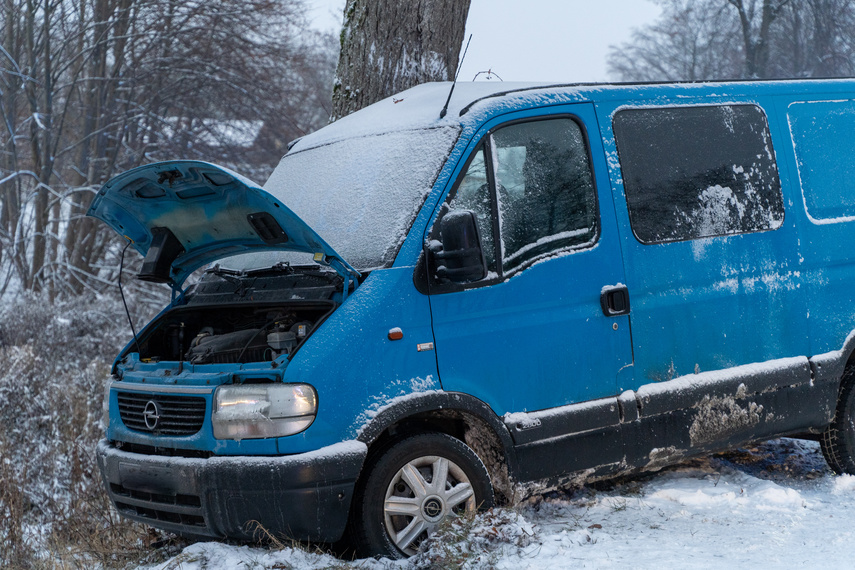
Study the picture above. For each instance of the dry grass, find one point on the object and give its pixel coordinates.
(54, 513)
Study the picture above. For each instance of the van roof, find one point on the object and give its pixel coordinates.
(419, 107)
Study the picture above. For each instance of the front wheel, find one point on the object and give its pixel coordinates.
(411, 487)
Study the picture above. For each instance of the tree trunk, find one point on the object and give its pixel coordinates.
(757, 43)
(388, 46)
(11, 86)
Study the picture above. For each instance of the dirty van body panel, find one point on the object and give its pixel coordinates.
(713, 411)
(583, 439)
(666, 422)
(711, 294)
(544, 321)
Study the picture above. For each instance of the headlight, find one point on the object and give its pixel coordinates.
(263, 410)
(105, 406)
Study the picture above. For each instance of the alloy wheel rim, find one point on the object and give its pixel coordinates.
(421, 494)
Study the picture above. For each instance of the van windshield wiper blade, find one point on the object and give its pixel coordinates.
(224, 271)
(287, 268)
(281, 267)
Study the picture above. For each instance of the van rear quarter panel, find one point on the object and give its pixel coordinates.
(821, 158)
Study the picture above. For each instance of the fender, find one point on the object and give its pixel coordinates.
(413, 404)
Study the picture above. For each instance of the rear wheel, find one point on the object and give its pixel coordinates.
(412, 487)
(838, 440)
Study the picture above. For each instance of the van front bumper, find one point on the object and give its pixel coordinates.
(305, 496)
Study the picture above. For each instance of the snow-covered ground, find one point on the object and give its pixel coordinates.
(776, 505)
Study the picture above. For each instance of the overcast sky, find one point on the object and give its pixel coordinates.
(535, 40)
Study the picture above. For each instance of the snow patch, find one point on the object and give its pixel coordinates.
(843, 484)
(521, 420)
(660, 457)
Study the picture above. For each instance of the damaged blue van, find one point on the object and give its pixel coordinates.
(419, 316)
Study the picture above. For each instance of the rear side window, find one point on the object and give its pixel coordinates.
(695, 172)
(825, 150)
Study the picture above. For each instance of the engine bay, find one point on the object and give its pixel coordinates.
(232, 317)
(233, 334)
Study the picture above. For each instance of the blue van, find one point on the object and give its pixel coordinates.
(421, 315)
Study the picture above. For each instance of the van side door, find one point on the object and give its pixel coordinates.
(534, 334)
(714, 275)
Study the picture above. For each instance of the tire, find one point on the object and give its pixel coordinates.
(837, 442)
(402, 501)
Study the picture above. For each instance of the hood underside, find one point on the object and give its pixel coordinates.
(184, 214)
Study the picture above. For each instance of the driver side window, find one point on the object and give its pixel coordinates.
(532, 183)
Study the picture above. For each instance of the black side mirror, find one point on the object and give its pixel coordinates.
(460, 257)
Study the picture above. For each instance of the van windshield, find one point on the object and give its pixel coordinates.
(359, 194)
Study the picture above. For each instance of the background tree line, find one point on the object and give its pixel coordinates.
(734, 39)
(90, 88)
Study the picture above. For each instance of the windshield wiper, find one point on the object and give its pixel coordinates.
(286, 268)
(281, 267)
(224, 271)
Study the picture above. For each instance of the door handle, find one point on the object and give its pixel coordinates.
(614, 299)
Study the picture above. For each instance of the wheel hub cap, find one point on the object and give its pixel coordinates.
(422, 493)
(432, 508)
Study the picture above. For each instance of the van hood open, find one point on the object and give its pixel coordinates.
(184, 214)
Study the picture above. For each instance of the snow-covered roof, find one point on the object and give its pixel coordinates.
(417, 107)
(420, 106)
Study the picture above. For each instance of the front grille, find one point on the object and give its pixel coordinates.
(166, 414)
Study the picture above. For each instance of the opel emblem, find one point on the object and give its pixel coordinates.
(432, 508)
(151, 415)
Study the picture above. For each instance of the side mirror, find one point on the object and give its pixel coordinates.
(459, 256)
